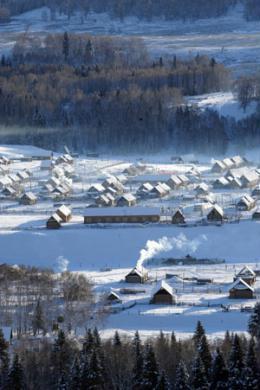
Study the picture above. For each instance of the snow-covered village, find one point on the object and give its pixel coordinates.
(129, 195)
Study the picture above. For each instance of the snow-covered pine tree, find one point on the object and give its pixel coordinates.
(4, 360)
(75, 375)
(163, 382)
(138, 363)
(205, 354)
(117, 340)
(236, 365)
(150, 371)
(182, 377)
(219, 376)
(16, 376)
(254, 322)
(251, 371)
(199, 332)
(94, 378)
(199, 379)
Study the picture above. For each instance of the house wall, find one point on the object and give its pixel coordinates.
(122, 219)
(163, 299)
(241, 294)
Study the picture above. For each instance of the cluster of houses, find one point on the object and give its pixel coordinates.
(221, 166)
(62, 172)
(162, 189)
(62, 215)
(165, 294)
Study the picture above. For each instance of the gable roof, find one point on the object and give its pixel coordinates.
(164, 286)
(246, 271)
(240, 284)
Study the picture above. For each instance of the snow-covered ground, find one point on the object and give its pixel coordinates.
(225, 103)
(230, 39)
(106, 253)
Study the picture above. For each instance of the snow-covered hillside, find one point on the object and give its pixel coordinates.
(224, 103)
(230, 39)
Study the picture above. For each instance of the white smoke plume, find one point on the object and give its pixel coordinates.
(62, 264)
(166, 244)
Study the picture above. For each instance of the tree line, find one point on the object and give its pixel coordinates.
(123, 363)
(97, 92)
(143, 9)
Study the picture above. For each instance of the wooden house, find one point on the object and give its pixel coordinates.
(126, 200)
(54, 222)
(178, 217)
(247, 274)
(218, 167)
(113, 297)
(246, 203)
(158, 191)
(220, 183)
(174, 182)
(238, 161)
(202, 189)
(228, 163)
(137, 275)
(241, 290)
(28, 198)
(256, 192)
(64, 213)
(144, 189)
(163, 295)
(9, 191)
(249, 179)
(184, 180)
(216, 214)
(96, 189)
(256, 215)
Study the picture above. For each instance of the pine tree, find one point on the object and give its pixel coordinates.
(88, 343)
(75, 375)
(199, 332)
(94, 379)
(219, 377)
(254, 322)
(16, 376)
(138, 363)
(251, 371)
(205, 355)
(150, 370)
(65, 46)
(4, 360)
(117, 340)
(236, 365)
(38, 319)
(182, 377)
(199, 378)
(163, 382)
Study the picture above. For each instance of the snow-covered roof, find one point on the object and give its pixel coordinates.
(183, 178)
(221, 180)
(247, 200)
(217, 208)
(228, 162)
(175, 179)
(128, 197)
(240, 284)
(96, 188)
(163, 286)
(146, 187)
(246, 271)
(29, 195)
(64, 210)
(55, 217)
(120, 211)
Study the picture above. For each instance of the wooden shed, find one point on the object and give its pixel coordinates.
(126, 200)
(113, 297)
(163, 295)
(216, 214)
(218, 167)
(178, 217)
(137, 275)
(174, 182)
(241, 290)
(247, 274)
(28, 199)
(64, 213)
(246, 203)
(54, 222)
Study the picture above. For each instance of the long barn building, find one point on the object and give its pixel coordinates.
(121, 215)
